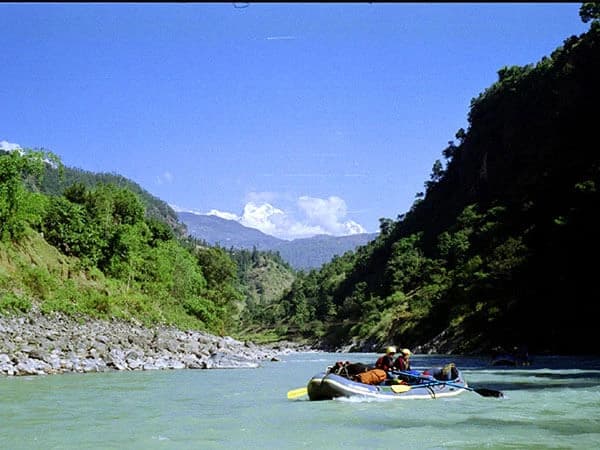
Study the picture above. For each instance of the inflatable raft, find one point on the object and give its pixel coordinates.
(421, 385)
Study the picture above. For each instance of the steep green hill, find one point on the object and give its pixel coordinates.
(93, 250)
(500, 248)
(264, 278)
(55, 181)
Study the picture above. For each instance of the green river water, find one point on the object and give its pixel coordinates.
(554, 403)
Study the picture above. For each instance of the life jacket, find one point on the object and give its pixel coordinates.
(401, 363)
(384, 362)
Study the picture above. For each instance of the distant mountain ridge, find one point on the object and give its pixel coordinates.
(226, 233)
(305, 253)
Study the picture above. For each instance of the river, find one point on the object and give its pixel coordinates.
(554, 403)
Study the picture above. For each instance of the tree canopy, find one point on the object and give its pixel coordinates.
(501, 237)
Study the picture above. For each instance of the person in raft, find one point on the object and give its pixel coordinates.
(386, 362)
(403, 360)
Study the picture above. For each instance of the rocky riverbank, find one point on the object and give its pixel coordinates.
(38, 344)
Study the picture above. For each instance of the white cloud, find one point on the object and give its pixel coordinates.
(353, 227)
(12, 147)
(328, 214)
(264, 217)
(223, 215)
(280, 38)
(177, 208)
(316, 216)
(276, 222)
(9, 146)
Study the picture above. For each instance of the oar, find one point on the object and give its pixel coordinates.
(295, 393)
(484, 392)
(400, 388)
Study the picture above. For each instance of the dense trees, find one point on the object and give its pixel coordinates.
(59, 182)
(263, 277)
(123, 254)
(16, 201)
(500, 241)
(140, 267)
(589, 11)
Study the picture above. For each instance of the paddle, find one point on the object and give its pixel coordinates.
(400, 388)
(295, 393)
(484, 392)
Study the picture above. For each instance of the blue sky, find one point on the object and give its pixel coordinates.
(296, 119)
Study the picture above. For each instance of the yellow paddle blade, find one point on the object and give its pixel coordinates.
(295, 393)
(399, 388)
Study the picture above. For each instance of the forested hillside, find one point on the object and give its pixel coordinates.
(500, 247)
(56, 179)
(94, 251)
(264, 278)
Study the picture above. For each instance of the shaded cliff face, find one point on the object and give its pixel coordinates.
(532, 137)
(532, 148)
(498, 250)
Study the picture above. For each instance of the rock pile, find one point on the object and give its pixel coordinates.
(38, 344)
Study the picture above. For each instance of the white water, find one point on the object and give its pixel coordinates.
(555, 403)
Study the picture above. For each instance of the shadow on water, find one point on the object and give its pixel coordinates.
(559, 376)
(550, 424)
(529, 386)
(534, 380)
(552, 362)
(565, 427)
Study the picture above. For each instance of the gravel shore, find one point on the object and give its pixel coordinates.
(38, 344)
